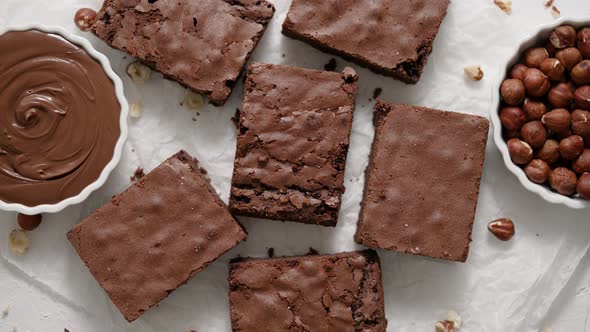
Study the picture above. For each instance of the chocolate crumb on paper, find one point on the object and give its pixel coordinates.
(138, 174)
(331, 65)
(5, 311)
(312, 251)
(377, 92)
(271, 252)
(236, 118)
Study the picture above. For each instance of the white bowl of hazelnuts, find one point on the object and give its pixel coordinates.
(541, 113)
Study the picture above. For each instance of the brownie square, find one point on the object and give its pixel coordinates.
(294, 132)
(392, 37)
(341, 292)
(154, 236)
(204, 45)
(422, 181)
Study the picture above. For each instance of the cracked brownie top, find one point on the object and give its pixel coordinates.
(340, 292)
(293, 138)
(202, 44)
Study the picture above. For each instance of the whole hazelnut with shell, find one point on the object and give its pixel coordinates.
(533, 57)
(563, 180)
(512, 118)
(584, 42)
(581, 73)
(549, 152)
(569, 57)
(558, 120)
(534, 109)
(537, 171)
(561, 95)
(563, 36)
(582, 164)
(534, 133)
(571, 147)
(520, 152)
(518, 71)
(582, 97)
(583, 186)
(553, 68)
(536, 83)
(513, 91)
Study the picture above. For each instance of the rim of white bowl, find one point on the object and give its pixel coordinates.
(106, 66)
(547, 194)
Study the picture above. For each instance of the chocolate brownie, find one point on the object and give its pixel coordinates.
(203, 44)
(392, 37)
(422, 181)
(293, 138)
(341, 292)
(153, 237)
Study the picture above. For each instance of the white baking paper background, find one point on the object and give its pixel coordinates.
(539, 279)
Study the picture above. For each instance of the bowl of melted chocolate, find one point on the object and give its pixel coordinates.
(63, 119)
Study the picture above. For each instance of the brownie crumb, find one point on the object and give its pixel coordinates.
(66, 330)
(377, 93)
(203, 171)
(284, 55)
(271, 252)
(331, 65)
(194, 120)
(236, 118)
(138, 174)
(313, 252)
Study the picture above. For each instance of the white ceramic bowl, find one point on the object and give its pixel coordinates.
(541, 190)
(104, 62)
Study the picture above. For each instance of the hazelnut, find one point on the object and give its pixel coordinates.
(474, 72)
(193, 101)
(550, 49)
(549, 152)
(513, 91)
(505, 5)
(582, 164)
(571, 147)
(563, 180)
(29, 223)
(84, 18)
(581, 73)
(583, 186)
(520, 152)
(537, 171)
(502, 228)
(554, 69)
(534, 109)
(582, 97)
(561, 95)
(512, 118)
(533, 57)
(563, 36)
(138, 72)
(518, 71)
(135, 109)
(581, 124)
(534, 133)
(569, 57)
(454, 317)
(536, 83)
(584, 42)
(18, 242)
(558, 120)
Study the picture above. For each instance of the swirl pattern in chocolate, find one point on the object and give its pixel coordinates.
(59, 118)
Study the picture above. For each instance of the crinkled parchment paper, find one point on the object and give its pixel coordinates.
(538, 279)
